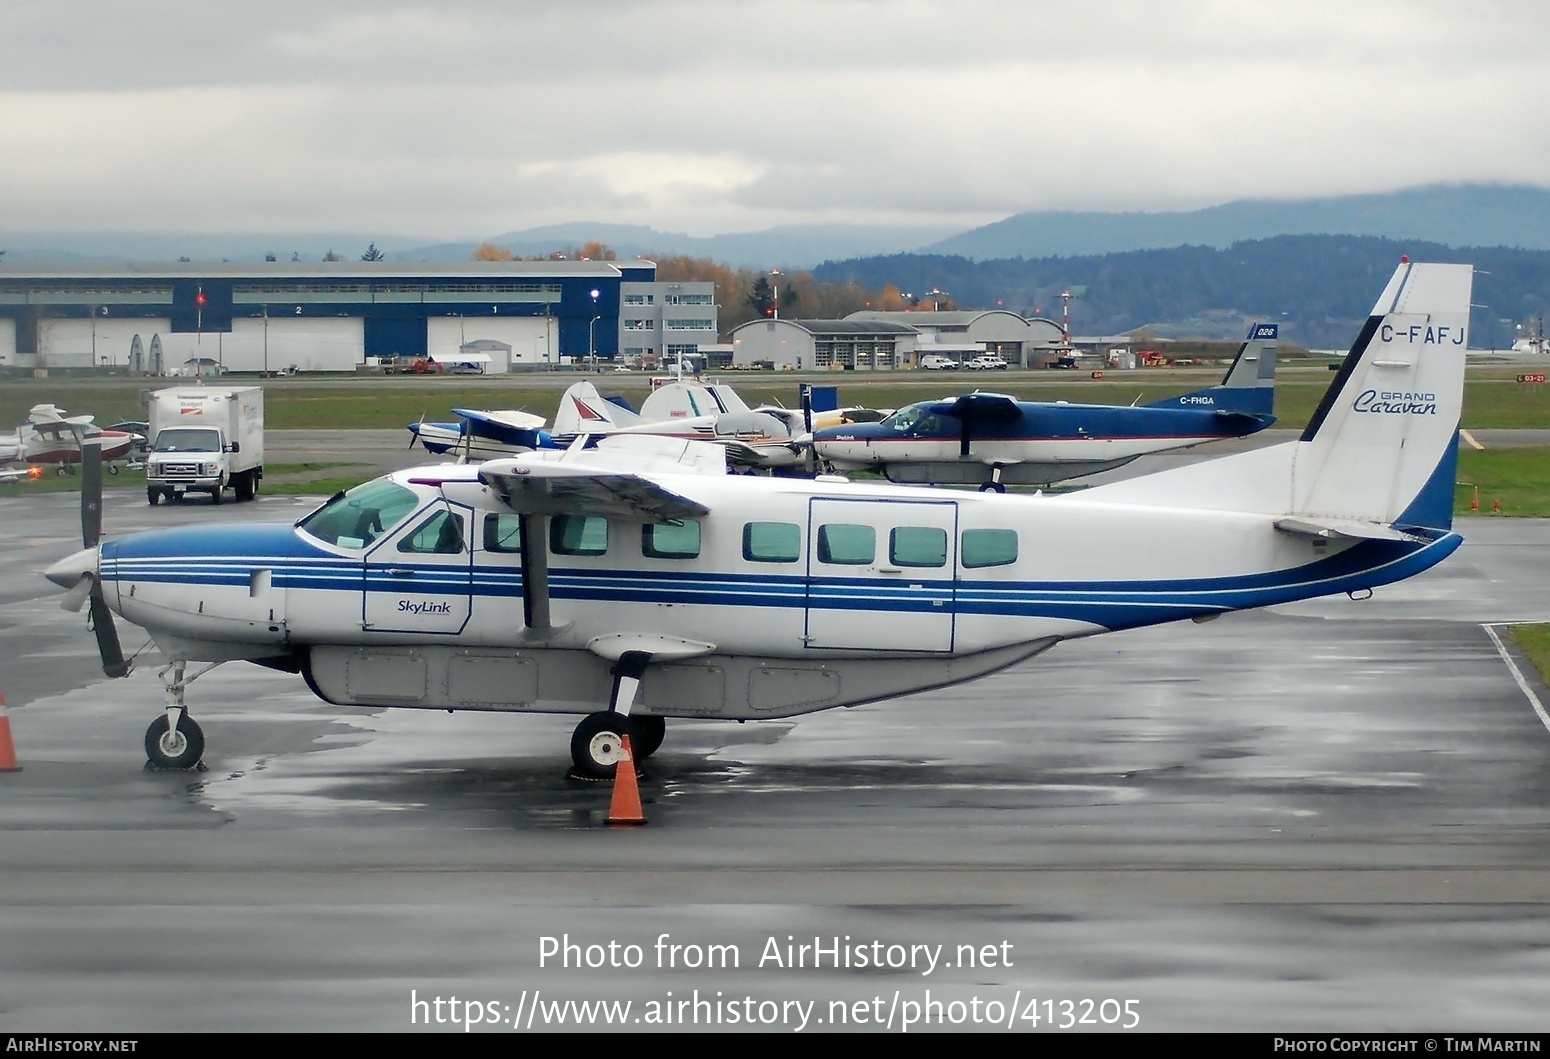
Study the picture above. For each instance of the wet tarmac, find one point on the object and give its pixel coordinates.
(1331, 816)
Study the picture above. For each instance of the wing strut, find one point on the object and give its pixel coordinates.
(533, 532)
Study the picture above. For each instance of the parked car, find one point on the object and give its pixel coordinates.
(937, 362)
(986, 362)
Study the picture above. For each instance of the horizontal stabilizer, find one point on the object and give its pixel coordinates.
(1349, 529)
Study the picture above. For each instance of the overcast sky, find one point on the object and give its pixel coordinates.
(458, 120)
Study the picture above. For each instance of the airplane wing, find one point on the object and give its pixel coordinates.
(980, 407)
(557, 489)
(508, 418)
(611, 479)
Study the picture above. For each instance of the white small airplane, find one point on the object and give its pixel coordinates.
(49, 437)
(754, 438)
(631, 588)
(482, 435)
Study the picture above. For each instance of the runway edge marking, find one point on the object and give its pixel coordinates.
(1517, 674)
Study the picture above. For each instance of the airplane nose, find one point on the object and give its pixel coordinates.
(67, 573)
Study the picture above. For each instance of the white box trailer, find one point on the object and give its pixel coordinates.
(205, 439)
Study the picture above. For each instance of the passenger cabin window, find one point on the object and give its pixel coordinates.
(670, 540)
(355, 519)
(917, 546)
(846, 545)
(441, 534)
(989, 547)
(578, 535)
(772, 542)
(503, 534)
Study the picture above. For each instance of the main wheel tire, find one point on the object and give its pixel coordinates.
(112, 468)
(992, 487)
(650, 733)
(598, 743)
(153, 496)
(167, 749)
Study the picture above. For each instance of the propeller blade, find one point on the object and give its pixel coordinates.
(807, 407)
(91, 492)
(414, 431)
(963, 437)
(113, 663)
(75, 599)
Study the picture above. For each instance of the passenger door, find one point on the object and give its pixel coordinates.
(881, 573)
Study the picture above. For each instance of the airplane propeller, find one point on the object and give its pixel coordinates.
(414, 431)
(89, 590)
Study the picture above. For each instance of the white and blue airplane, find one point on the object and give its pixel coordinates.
(482, 435)
(993, 440)
(632, 588)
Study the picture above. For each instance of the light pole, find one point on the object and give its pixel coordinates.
(592, 331)
(775, 291)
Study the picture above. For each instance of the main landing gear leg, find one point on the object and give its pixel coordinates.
(994, 485)
(597, 744)
(175, 741)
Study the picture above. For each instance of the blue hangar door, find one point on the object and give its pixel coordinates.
(881, 574)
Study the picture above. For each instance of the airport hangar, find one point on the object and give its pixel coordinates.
(340, 315)
(883, 341)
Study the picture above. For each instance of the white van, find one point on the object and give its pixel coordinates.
(937, 362)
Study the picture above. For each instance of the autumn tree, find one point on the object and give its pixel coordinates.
(491, 252)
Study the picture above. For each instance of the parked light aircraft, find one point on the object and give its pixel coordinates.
(767, 437)
(50, 437)
(631, 588)
(992, 439)
(482, 435)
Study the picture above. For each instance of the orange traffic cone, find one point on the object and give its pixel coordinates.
(7, 748)
(625, 807)
(1474, 503)
(1496, 507)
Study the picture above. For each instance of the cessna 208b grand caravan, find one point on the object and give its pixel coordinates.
(992, 440)
(632, 589)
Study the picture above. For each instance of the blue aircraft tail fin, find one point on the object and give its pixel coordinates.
(1249, 386)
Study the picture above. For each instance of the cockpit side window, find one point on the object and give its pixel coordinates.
(355, 519)
(503, 533)
(441, 534)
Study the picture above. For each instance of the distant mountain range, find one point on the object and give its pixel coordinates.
(1451, 215)
(1319, 288)
(794, 246)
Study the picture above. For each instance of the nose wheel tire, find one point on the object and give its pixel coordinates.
(598, 743)
(181, 749)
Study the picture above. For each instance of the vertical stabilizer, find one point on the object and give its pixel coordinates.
(1385, 433)
(1380, 449)
(584, 411)
(1249, 385)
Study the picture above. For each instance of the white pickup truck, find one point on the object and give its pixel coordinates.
(985, 362)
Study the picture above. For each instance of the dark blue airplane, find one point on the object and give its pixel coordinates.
(992, 440)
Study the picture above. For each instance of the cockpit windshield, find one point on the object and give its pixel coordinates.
(912, 419)
(355, 519)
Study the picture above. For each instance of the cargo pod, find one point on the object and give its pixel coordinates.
(881, 574)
